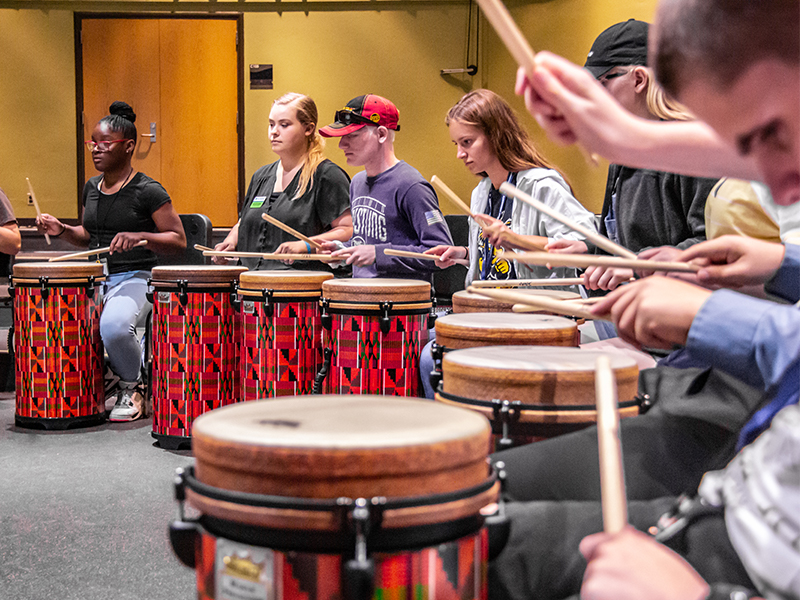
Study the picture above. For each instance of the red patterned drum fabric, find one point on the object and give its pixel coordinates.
(281, 332)
(377, 330)
(57, 347)
(196, 361)
(450, 571)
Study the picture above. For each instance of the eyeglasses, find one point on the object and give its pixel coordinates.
(608, 76)
(102, 146)
(348, 117)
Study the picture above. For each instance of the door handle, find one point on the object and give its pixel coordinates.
(152, 134)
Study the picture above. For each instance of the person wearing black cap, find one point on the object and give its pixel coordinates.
(652, 212)
(393, 206)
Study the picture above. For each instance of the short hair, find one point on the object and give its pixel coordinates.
(720, 39)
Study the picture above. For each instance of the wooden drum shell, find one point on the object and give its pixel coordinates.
(467, 302)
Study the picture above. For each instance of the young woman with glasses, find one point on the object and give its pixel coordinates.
(302, 189)
(121, 208)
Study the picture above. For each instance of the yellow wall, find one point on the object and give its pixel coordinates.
(332, 56)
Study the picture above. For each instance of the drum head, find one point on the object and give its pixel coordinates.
(289, 280)
(467, 330)
(464, 301)
(55, 270)
(377, 290)
(332, 446)
(534, 375)
(196, 274)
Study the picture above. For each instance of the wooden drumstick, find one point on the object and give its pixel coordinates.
(558, 307)
(420, 255)
(583, 261)
(202, 248)
(87, 253)
(519, 241)
(32, 196)
(594, 237)
(612, 476)
(271, 255)
(291, 231)
(524, 283)
(508, 31)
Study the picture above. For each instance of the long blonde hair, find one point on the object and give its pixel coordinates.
(306, 113)
(662, 105)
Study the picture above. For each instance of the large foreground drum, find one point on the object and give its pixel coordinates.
(531, 392)
(281, 332)
(467, 302)
(196, 361)
(338, 498)
(58, 353)
(374, 332)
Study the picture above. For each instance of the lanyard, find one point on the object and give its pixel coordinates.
(488, 250)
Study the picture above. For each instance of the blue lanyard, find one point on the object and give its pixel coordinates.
(488, 250)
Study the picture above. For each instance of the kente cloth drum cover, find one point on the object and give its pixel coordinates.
(467, 302)
(281, 332)
(470, 330)
(533, 391)
(374, 331)
(195, 333)
(58, 353)
(331, 497)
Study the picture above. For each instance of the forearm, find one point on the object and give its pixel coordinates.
(341, 233)
(75, 235)
(166, 242)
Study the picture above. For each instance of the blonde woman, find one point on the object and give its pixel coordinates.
(302, 189)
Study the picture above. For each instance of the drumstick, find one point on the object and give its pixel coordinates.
(291, 231)
(612, 476)
(558, 307)
(86, 253)
(508, 31)
(202, 248)
(516, 239)
(420, 255)
(271, 255)
(32, 196)
(522, 283)
(594, 237)
(583, 261)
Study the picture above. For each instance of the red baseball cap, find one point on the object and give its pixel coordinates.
(359, 112)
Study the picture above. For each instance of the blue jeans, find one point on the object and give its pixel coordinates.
(125, 306)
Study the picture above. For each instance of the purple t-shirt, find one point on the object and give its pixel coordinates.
(396, 209)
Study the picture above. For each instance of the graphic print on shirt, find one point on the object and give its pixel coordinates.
(369, 221)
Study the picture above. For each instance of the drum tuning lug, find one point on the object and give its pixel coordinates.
(45, 291)
(358, 573)
(325, 316)
(384, 321)
(183, 296)
(267, 299)
(184, 537)
(319, 380)
(90, 287)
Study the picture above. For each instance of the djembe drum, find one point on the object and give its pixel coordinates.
(467, 302)
(281, 332)
(533, 392)
(373, 333)
(474, 329)
(337, 498)
(58, 353)
(195, 337)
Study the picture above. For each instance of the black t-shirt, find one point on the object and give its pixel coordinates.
(130, 209)
(310, 214)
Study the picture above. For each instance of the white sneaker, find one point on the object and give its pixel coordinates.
(130, 404)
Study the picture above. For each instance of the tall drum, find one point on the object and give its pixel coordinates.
(281, 332)
(337, 498)
(374, 331)
(58, 353)
(195, 337)
(532, 392)
(467, 302)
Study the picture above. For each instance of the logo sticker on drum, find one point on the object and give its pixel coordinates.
(164, 297)
(249, 307)
(243, 572)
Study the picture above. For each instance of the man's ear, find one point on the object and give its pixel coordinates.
(383, 134)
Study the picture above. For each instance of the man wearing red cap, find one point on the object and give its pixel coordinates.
(393, 206)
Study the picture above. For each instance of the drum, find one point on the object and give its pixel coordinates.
(58, 353)
(471, 330)
(195, 337)
(281, 332)
(337, 497)
(533, 392)
(374, 331)
(466, 302)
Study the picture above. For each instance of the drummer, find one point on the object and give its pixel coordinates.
(493, 145)
(122, 207)
(393, 205)
(10, 239)
(303, 189)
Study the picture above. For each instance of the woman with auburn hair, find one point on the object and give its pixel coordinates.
(493, 145)
(302, 189)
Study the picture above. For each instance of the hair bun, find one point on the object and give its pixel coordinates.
(122, 109)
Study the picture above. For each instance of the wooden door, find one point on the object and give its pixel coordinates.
(182, 75)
